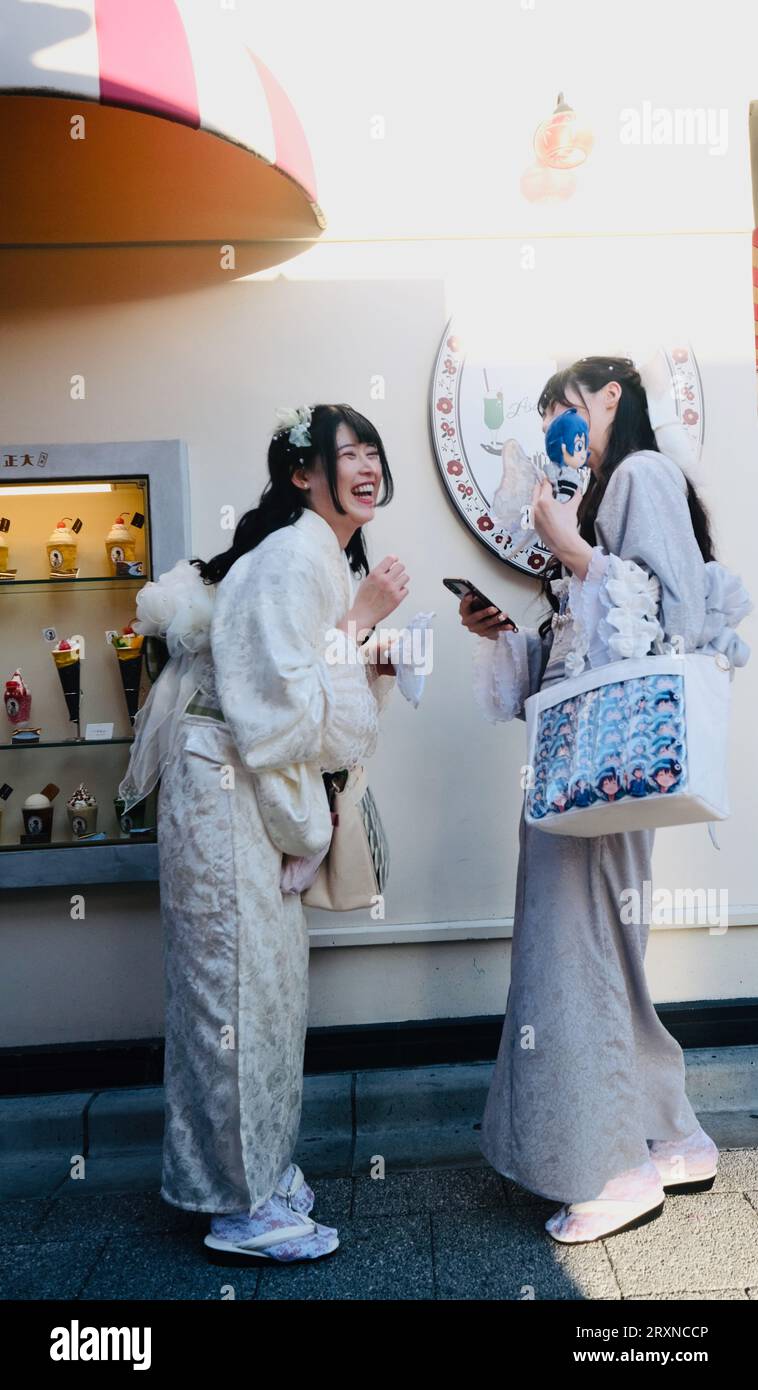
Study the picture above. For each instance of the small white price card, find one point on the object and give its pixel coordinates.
(101, 732)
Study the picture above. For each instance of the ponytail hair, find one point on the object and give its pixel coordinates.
(281, 502)
(631, 430)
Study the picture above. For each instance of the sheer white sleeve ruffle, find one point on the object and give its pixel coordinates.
(500, 673)
(727, 602)
(179, 608)
(381, 687)
(614, 609)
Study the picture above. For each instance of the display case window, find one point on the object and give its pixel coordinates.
(77, 543)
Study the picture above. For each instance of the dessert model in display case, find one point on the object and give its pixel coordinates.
(83, 527)
(63, 549)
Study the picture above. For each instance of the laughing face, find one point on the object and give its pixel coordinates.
(359, 477)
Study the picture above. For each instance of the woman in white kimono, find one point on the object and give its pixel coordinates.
(240, 727)
(595, 1114)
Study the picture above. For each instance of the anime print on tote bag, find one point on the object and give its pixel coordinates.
(638, 743)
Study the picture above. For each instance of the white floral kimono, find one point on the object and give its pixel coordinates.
(241, 786)
(586, 1073)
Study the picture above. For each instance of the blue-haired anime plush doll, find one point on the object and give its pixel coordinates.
(567, 448)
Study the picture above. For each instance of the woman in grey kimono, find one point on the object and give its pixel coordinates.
(248, 714)
(587, 1103)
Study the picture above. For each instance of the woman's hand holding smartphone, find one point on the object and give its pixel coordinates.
(480, 616)
(484, 622)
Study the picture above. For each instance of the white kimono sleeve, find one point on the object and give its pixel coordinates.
(292, 688)
(614, 609)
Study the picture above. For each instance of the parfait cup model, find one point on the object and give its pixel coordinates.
(37, 812)
(119, 544)
(62, 547)
(82, 813)
(4, 529)
(133, 819)
(17, 699)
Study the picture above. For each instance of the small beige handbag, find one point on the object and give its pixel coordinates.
(354, 871)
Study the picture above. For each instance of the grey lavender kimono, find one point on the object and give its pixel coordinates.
(586, 1073)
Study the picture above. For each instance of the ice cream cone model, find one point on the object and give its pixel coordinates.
(67, 657)
(119, 544)
(18, 699)
(62, 547)
(38, 813)
(128, 644)
(82, 812)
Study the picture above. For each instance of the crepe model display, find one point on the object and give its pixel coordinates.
(62, 547)
(67, 657)
(119, 544)
(82, 811)
(38, 813)
(18, 699)
(4, 529)
(565, 467)
(128, 644)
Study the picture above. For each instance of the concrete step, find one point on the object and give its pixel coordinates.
(416, 1117)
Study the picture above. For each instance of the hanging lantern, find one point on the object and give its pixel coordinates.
(560, 142)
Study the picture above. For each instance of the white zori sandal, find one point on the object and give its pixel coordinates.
(279, 1229)
(686, 1165)
(628, 1200)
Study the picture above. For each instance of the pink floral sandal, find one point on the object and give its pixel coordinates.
(686, 1165)
(280, 1228)
(628, 1200)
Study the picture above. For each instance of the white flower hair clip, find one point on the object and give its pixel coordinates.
(296, 419)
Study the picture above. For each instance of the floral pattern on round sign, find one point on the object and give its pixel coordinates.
(487, 436)
(688, 393)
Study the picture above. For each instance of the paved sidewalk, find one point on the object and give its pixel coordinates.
(441, 1224)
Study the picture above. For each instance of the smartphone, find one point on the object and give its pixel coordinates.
(461, 587)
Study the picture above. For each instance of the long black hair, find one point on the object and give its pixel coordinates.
(631, 430)
(281, 502)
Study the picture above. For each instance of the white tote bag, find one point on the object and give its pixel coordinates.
(633, 745)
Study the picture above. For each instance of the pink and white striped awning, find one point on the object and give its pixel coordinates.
(227, 156)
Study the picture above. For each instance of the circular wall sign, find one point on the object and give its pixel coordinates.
(488, 437)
